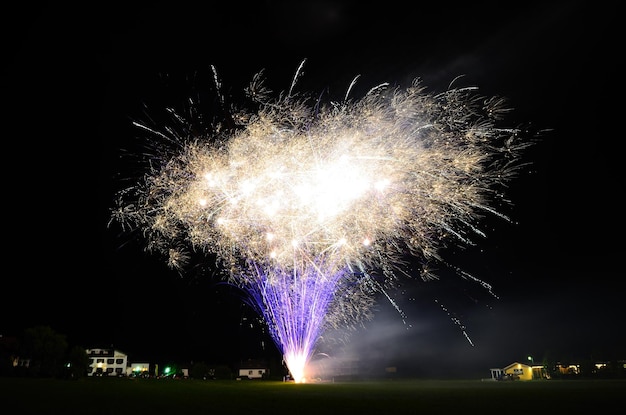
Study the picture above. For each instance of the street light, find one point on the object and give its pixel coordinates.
(532, 361)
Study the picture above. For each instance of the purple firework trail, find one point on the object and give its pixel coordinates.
(305, 200)
(295, 305)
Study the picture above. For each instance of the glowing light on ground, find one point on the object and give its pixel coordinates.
(310, 207)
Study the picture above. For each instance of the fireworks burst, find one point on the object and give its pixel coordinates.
(310, 207)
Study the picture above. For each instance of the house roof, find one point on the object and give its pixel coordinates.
(515, 364)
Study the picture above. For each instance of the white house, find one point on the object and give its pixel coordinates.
(107, 362)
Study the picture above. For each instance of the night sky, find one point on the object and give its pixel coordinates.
(75, 80)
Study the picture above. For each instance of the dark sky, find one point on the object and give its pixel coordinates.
(75, 79)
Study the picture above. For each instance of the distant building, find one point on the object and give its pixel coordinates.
(568, 369)
(107, 362)
(519, 371)
(253, 369)
(140, 370)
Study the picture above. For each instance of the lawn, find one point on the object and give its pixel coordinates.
(155, 397)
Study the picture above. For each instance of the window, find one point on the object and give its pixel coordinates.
(110, 361)
(99, 360)
(119, 361)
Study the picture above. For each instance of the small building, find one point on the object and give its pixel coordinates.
(519, 371)
(514, 371)
(253, 369)
(138, 370)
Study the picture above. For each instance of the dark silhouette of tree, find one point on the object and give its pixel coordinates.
(46, 350)
(200, 370)
(222, 372)
(77, 363)
(9, 347)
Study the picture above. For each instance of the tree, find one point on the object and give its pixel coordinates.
(222, 372)
(9, 348)
(77, 363)
(46, 350)
(200, 370)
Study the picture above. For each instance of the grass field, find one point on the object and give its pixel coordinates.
(149, 396)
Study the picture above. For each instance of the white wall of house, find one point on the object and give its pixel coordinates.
(252, 373)
(107, 362)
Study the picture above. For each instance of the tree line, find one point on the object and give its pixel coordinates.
(42, 352)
